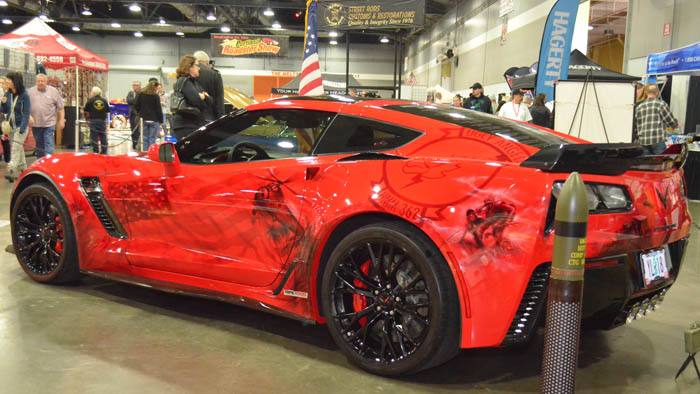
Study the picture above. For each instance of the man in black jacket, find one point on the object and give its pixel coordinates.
(211, 82)
(97, 109)
(477, 101)
(133, 116)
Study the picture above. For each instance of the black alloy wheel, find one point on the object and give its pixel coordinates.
(390, 300)
(43, 237)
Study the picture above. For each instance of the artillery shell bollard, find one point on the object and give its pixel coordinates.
(562, 330)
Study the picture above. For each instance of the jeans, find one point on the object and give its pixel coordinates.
(655, 149)
(44, 140)
(150, 131)
(98, 131)
(168, 122)
(134, 121)
(17, 162)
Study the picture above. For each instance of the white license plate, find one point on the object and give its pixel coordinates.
(654, 265)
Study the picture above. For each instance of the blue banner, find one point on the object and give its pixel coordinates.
(556, 46)
(681, 60)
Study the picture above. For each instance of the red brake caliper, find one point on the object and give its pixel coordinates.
(59, 231)
(360, 302)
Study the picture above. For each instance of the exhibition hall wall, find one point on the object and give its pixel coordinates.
(473, 30)
(645, 29)
(132, 58)
(645, 35)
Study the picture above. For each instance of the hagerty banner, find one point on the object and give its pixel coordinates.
(367, 15)
(556, 46)
(248, 45)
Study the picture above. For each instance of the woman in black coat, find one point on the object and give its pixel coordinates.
(148, 107)
(541, 115)
(185, 123)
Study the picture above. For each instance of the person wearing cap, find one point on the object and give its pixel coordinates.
(515, 109)
(477, 101)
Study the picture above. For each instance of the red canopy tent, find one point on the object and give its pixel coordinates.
(51, 48)
(57, 52)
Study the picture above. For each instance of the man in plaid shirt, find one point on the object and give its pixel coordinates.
(651, 118)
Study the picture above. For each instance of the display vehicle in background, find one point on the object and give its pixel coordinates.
(411, 230)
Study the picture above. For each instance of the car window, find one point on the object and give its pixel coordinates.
(485, 123)
(352, 134)
(255, 135)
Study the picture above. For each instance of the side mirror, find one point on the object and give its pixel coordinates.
(164, 153)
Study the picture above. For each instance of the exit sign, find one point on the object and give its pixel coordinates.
(667, 29)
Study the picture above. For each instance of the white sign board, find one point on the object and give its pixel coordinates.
(506, 8)
(579, 114)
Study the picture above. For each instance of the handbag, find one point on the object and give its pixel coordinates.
(7, 124)
(178, 102)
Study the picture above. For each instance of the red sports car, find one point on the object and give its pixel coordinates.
(411, 230)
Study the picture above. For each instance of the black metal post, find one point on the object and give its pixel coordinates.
(396, 56)
(398, 95)
(347, 62)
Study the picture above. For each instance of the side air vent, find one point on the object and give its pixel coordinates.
(93, 193)
(530, 307)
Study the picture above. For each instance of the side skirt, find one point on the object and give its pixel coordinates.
(177, 288)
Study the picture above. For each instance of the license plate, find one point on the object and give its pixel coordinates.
(654, 265)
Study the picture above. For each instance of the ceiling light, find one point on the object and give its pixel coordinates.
(333, 34)
(276, 25)
(269, 12)
(179, 33)
(6, 21)
(384, 40)
(333, 42)
(211, 17)
(116, 25)
(3, 3)
(138, 34)
(161, 21)
(43, 17)
(75, 28)
(134, 8)
(86, 12)
(225, 29)
(590, 27)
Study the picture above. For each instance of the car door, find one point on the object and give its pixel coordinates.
(232, 212)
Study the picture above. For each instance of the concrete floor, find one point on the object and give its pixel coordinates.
(104, 337)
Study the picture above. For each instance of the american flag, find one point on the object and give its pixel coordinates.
(311, 83)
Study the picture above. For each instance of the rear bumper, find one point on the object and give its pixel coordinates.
(613, 289)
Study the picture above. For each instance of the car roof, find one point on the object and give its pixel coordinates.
(522, 133)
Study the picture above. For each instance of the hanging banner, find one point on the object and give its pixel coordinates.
(248, 45)
(682, 60)
(333, 15)
(556, 46)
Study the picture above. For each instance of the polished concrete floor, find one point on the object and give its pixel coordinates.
(104, 337)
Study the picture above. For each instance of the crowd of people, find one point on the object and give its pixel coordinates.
(39, 108)
(200, 89)
(652, 116)
(517, 106)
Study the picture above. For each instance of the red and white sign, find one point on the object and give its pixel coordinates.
(51, 48)
(667, 29)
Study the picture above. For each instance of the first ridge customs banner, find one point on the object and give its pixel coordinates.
(370, 14)
(248, 45)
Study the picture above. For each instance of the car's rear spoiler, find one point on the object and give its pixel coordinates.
(604, 159)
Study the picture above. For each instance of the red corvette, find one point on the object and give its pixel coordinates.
(410, 230)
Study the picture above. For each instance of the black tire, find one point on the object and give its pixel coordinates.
(394, 310)
(43, 235)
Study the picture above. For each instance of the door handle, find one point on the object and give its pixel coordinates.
(311, 172)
